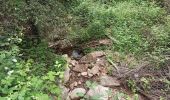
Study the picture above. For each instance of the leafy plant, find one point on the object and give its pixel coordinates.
(26, 78)
(127, 23)
(90, 84)
(146, 83)
(121, 95)
(132, 85)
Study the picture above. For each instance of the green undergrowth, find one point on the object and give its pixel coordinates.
(30, 70)
(135, 26)
(32, 73)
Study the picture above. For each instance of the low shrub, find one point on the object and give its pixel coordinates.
(33, 76)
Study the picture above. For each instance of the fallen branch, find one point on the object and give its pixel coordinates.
(114, 65)
(136, 70)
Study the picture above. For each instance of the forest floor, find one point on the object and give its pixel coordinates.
(96, 77)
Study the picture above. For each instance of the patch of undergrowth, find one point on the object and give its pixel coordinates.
(28, 68)
(144, 83)
(135, 26)
(151, 80)
(34, 77)
(46, 18)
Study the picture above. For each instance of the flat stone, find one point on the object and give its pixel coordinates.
(65, 92)
(79, 74)
(74, 93)
(94, 70)
(87, 59)
(66, 75)
(91, 57)
(74, 84)
(90, 75)
(80, 68)
(84, 73)
(79, 82)
(73, 62)
(102, 62)
(109, 81)
(100, 91)
(96, 54)
(67, 98)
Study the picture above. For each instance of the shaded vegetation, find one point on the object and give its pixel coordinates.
(29, 69)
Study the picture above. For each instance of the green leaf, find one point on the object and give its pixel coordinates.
(42, 97)
(51, 75)
(88, 84)
(80, 94)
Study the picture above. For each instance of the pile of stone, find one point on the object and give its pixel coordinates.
(89, 66)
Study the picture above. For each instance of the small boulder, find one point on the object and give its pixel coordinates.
(100, 91)
(91, 57)
(74, 84)
(66, 75)
(109, 81)
(89, 73)
(80, 68)
(102, 62)
(94, 70)
(77, 54)
(67, 98)
(79, 82)
(74, 93)
(97, 54)
(73, 62)
(65, 92)
(84, 73)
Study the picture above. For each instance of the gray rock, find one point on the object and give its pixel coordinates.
(109, 81)
(66, 75)
(65, 92)
(98, 91)
(74, 93)
(77, 54)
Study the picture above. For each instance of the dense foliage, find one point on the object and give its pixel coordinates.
(30, 70)
(134, 26)
(36, 77)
